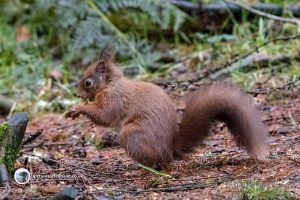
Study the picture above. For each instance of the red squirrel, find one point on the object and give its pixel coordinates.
(147, 116)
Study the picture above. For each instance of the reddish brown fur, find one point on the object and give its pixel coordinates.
(147, 115)
(222, 102)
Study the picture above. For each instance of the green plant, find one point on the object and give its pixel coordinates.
(154, 171)
(78, 29)
(247, 80)
(98, 143)
(252, 190)
(64, 36)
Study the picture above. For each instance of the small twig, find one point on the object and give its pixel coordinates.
(263, 14)
(287, 38)
(294, 123)
(33, 136)
(272, 89)
(216, 73)
(227, 67)
(65, 126)
(49, 144)
(176, 187)
(192, 186)
(62, 162)
(12, 110)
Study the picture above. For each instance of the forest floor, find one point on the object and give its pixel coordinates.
(216, 170)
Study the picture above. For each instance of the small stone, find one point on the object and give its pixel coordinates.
(49, 159)
(96, 161)
(79, 153)
(110, 139)
(192, 87)
(283, 130)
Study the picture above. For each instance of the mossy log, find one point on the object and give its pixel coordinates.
(11, 136)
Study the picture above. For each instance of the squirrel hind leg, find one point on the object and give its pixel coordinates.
(143, 147)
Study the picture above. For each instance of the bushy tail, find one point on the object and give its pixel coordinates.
(222, 102)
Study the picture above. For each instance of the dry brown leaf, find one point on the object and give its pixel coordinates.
(23, 34)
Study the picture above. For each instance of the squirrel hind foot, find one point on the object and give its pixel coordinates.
(260, 154)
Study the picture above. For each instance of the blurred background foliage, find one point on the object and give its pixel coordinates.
(45, 39)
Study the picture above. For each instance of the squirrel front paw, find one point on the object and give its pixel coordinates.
(73, 112)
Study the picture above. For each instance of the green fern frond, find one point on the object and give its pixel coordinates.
(161, 12)
(88, 32)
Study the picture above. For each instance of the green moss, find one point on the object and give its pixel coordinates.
(4, 128)
(10, 149)
(98, 143)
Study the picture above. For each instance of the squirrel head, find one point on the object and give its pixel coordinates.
(99, 76)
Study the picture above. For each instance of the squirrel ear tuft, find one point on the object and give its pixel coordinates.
(105, 59)
(101, 67)
(106, 53)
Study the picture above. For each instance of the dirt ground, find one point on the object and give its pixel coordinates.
(213, 171)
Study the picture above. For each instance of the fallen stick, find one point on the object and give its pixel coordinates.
(33, 136)
(220, 7)
(294, 123)
(291, 83)
(264, 14)
(48, 144)
(252, 56)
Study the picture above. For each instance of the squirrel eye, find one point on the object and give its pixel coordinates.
(88, 83)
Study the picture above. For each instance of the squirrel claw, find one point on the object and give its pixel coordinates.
(73, 113)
